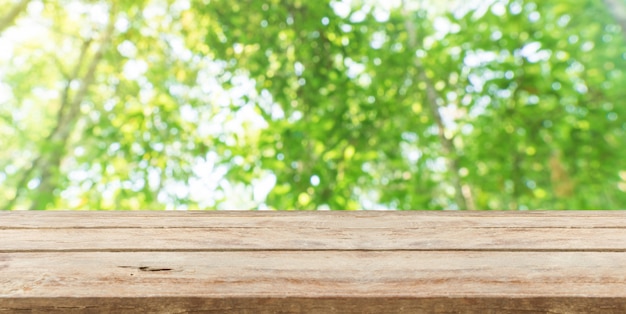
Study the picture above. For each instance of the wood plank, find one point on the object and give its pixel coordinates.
(311, 274)
(321, 305)
(290, 238)
(320, 219)
(351, 281)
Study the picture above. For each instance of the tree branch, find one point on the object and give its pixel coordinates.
(53, 151)
(61, 120)
(67, 120)
(9, 19)
(462, 194)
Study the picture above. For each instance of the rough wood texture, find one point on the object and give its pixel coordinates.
(314, 262)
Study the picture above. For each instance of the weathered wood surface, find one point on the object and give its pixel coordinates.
(320, 262)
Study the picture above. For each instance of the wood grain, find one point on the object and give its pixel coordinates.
(319, 219)
(313, 262)
(313, 239)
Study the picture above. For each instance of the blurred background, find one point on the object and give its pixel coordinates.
(302, 104)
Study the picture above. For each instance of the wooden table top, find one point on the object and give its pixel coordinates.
(324, 262)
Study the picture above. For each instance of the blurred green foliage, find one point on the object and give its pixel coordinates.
(292, 104)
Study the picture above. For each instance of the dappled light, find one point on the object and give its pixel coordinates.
(312, 105)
